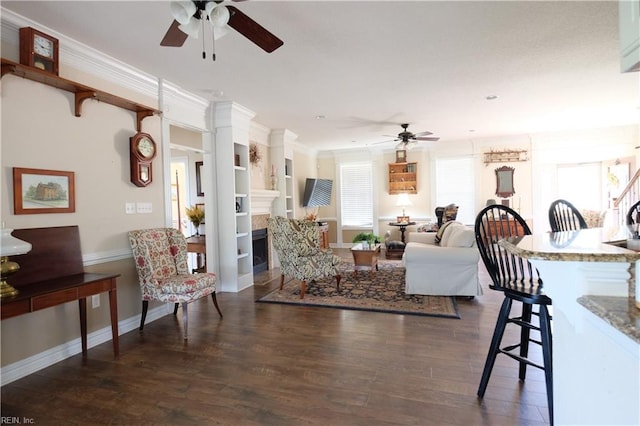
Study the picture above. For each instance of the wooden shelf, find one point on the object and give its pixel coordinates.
(80, 91)
(403, 177)
(505, 156)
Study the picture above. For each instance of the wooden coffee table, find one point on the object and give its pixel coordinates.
(365, 257)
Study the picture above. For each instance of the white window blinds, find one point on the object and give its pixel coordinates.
(356, 194)
(455, 184)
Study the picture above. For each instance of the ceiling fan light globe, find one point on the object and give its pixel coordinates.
(192, 28)
(219, 32)
(182, 11)
(218, 15)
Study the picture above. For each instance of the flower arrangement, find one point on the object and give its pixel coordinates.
(195, 215)
(254, 154)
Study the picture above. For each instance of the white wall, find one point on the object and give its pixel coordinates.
(534, 179)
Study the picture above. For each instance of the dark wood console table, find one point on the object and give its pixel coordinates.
(52, 274)
(403, 227)
(198, 244)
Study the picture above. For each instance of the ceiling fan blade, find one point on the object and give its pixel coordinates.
(427, 138)
(253, 31)
(174, 37)
(427, 133)
(378, 143)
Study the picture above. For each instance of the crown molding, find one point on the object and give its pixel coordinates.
(81, 57)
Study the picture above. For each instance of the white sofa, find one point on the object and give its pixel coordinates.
(449, 268)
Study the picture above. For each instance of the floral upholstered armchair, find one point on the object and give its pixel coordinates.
(297, 244)
(160, 255)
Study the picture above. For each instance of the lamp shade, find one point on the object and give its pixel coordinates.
(11, 246)
(219, 18)
(183, 11)
(191, 28)
(218, 14)
(490, 202)
(403, 200)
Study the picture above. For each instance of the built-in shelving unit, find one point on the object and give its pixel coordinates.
(403, 178)
(282, 159)
(288, 187)
(80, 91)
(233, 180)
(242, 185)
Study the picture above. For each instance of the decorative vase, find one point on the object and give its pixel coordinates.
(197, 226)
(274, 182)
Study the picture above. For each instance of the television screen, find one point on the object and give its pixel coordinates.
(317, 192)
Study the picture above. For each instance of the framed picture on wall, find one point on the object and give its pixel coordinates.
(199, 192)
(43, 191)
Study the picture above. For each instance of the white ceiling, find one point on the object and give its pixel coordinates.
(369, 66)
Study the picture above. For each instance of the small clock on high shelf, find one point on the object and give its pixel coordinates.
(142, 152)
(38, 50)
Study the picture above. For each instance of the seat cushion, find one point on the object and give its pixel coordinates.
(185, 284)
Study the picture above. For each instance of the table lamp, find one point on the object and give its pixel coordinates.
(10, 246)
(403, 201)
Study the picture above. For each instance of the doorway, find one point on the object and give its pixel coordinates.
(180, 196)
(186, 150)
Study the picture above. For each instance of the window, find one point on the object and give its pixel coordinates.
(356, 194)
(455, 184)
(581, 185)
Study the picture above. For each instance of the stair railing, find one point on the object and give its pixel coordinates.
(629, 195)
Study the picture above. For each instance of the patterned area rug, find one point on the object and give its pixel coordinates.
(382, 291)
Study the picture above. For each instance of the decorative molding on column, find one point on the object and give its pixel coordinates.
(231, 114)
(262, 201)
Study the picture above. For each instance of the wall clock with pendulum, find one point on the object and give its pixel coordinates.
(38, 50)
(142, 151)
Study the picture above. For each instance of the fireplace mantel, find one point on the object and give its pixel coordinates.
(261, 200)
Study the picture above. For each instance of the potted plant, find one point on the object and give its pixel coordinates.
(366, 237)
(196, 216)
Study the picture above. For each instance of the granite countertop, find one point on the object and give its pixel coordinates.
(587, 245)
(620, 312)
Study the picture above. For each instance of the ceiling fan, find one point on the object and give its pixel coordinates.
(189, 16)
(408, 140)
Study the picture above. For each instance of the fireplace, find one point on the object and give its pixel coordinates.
(260, 250)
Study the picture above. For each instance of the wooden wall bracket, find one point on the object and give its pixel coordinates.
(81, 92)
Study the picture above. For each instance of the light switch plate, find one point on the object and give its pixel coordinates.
(144, 208)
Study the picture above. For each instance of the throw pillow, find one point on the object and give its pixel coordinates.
(460, 236)
(427, 227)
(441, 230)
(450, 212)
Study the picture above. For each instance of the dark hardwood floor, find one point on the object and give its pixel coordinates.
(268, 364)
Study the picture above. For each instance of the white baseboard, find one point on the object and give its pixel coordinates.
(24, 367)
